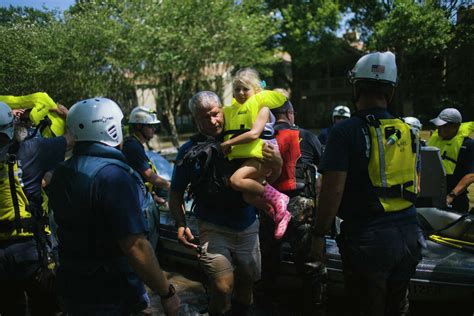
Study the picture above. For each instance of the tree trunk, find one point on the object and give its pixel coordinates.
(172, 125)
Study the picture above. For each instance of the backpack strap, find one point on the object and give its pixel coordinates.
(11, 161)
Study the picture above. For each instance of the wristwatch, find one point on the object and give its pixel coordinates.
(171, 292)
(452, 194)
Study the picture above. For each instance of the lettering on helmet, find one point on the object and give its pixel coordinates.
(103, 119)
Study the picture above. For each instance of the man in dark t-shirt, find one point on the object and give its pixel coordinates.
(380, 241)
(104, 255)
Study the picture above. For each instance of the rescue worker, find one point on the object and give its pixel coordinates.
(301, 153)
(369, 181)
(339, 113)
(97, 200)
(26, 261)
(229, 250)
(457, 152)
(142, 123)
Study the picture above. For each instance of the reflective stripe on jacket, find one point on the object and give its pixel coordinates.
(392, 163)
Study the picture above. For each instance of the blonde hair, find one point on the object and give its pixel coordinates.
(249, 78)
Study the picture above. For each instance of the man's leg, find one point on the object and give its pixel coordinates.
(215, 260)
(247, 259)
(18, 265)
(367, 259)
(221, 293)
(412, 240)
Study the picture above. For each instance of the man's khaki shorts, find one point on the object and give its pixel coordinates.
(226, 250)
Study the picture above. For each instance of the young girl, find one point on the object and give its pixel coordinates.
(246, 120)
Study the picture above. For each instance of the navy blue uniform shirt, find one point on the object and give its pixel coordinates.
(348, 150)
(135, 154)
(36, 156)
(225, 215)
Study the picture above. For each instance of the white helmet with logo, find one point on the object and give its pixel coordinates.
(414, 123)
(378, 67)
(97, 120)
(341, 110)
(6, 120)
(143, 115)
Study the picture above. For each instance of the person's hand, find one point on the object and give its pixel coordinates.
(61, 110)
(270, 153)
(158, 200)
(185, 237)
(318, 245)
(449, 200)
(171, 305)
(225, 147)
(18, 113)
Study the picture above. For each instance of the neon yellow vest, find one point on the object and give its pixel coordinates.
(240, 118)
(392, 167)
(40, 103)
(8, 229)
(449, 149)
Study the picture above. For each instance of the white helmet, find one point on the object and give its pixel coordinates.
(380, 67)
(341, 110)
(97, 120)
(6, 120)
(414, 123)
(143, 115)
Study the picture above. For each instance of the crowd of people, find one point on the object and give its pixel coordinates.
(255, 180)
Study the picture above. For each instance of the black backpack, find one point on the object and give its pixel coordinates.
(210, 177)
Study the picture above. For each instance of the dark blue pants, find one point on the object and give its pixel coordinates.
(378, 263)
(19, 275)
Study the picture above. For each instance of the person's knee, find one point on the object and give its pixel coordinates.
(236, 182)
(224, 285)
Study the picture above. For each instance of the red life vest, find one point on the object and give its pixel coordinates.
(289, 144)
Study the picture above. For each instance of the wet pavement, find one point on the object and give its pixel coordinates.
(194, 300)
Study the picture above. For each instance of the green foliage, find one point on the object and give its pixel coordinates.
(413, 28)
(307, 28)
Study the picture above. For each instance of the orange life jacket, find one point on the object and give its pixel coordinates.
(289, 145)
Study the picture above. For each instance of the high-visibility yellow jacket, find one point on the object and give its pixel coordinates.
(449, 149)
(392, 163)
(239, 119)
(40, 103)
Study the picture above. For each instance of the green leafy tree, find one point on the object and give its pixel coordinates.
(306, 32)
(423, 35)
(179, 49)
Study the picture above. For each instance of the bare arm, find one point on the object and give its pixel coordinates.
(461, 186)
(143, 261)
(176, 203)
(329, 202)
(253, 134)
(155, 179)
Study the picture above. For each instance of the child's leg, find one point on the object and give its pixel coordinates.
(245, 179)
